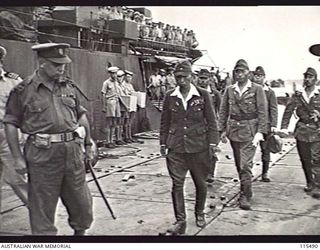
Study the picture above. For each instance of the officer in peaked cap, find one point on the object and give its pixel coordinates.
(8, 81)
(188, 134)
(46, 106)
(245, 123)
(204, 82)
(54, 52)
(305, 103)
(272, 120)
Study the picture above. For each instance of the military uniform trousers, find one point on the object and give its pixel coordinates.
(265, 154)
(8, 173)
(57, 171)
(243, 154)
(178, 165)
(309, 153)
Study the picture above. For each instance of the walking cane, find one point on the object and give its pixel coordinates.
(99, 187)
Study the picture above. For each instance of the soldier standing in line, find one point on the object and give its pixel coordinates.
(242, 119)
(111, 105)
(8, 174)
(306, 103)
(203, 82)
(123, 109)
(188, 135)
(128, 90)
(46, 106)
(272, 115)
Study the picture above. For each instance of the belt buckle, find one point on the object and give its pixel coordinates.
(63, 137)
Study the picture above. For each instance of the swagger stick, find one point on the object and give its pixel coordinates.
(99, 187)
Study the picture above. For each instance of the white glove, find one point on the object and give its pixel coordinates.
(274, 130)
(257, 138)
(284, 131)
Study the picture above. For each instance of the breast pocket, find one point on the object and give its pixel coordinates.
(69, 108)
(250, 103)
(38, 114)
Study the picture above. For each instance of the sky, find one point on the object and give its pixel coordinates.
(275, 37)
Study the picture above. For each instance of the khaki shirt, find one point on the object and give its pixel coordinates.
(36, 106)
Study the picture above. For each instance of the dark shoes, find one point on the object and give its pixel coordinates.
(110, 145)
(265, 178)
(178, 228)
(308, 188)
(79, 232)
(127, 140)
(244, 203)
(210, 179)
(120, 142)
(316, 193)
(200, 220)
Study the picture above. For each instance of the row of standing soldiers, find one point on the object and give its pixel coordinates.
(193, 123)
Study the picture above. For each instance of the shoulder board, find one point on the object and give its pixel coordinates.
(12, 75)
(21, 86)
(298, 92)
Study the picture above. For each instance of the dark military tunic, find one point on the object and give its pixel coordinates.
(307, 132)
(242, 116)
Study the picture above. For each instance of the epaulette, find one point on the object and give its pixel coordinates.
(20, 87)
(298, 92)
(12, 75)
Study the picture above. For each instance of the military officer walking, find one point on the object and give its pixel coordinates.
(203, 82)
(242, 119)
(272, 119)
(46, 106)
(188, 129)
(8, 174)
(306, 103)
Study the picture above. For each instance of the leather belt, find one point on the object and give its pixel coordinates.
(62, 137)
(243, 117)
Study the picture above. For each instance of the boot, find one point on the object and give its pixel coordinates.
(200, 220)
(308, 174)
(245, 195)
(178, 228)
(265, 169)
(244, 203)
(178, 205)
(315, 192)
(308, 188)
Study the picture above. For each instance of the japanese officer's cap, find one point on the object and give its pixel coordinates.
(259, 71)
(241, 64)
(183, 68)
(310, 71)
(54, 52)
